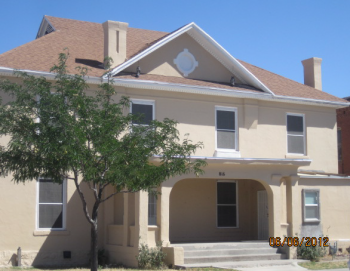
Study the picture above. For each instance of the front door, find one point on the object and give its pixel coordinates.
(263, 216)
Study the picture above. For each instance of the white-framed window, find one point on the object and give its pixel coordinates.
(226, 128)
(143, 108)
(152, 209)
(311, 200)
(51, 204)
(296, 133)
(227, 204)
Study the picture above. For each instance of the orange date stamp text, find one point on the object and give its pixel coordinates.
(299, 241)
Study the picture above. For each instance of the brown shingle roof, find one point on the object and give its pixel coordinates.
(85, 43)
(283, 86)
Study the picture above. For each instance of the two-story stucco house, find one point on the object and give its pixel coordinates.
(270, 144)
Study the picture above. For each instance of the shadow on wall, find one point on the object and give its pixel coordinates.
(67, 247)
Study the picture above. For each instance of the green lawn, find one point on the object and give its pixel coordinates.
(324, 265)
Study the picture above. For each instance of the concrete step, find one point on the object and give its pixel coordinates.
(228, 245)
(230, 251)
(233, 258)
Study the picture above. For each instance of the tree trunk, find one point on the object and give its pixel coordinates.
(94, 247)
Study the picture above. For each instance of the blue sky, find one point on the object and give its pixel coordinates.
(272, 34)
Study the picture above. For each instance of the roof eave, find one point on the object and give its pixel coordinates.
(172, 87)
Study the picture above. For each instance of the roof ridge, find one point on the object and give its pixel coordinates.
(48, 17)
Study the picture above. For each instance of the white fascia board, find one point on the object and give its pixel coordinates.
(255, 161)
(248, 76)
(329, 177)
(149, 50)
(163, 86)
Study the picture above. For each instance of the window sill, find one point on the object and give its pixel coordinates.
(152, 227)
(227, 153)
(51, 233)
(297, 156)
(312, 221)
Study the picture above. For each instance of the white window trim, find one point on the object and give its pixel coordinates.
(147, 102)
(226, 152)
(216, 198)
(304, 133)
(64, 208)
(306, 220)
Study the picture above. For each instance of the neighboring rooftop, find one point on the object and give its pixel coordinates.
(85, 42)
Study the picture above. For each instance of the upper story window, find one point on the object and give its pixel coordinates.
(51, 207)
(339, 144)
(296, 134)
(143, 108)
(226, 128)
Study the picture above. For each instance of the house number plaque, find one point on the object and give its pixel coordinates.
(221, 173)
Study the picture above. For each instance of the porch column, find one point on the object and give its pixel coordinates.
(293, 203)
(275, 208)
(141, 218)
(164, 214)
(126, 220)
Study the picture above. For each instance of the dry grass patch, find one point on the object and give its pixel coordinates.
(324, 265)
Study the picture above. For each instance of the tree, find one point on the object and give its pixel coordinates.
(58, 131)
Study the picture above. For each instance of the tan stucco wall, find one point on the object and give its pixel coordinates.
(193, 212)
(161, 62)
(18, 227)
(262, 125)
(262, 134)
(334, 207)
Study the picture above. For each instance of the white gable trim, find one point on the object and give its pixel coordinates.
(208, 43)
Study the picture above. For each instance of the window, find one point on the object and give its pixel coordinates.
(339, 145)
(226, 128)
(227, 204)
(143, 108)
(152, 209)
(295, 134)
(311, 205)
(51, 200)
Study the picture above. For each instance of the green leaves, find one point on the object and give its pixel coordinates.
(61, 127)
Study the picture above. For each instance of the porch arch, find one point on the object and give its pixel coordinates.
(193, 210)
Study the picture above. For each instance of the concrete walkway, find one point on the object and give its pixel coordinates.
(268, 265)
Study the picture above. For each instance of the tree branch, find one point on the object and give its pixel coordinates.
(85, 208)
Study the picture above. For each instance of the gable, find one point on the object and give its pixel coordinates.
(162, 62)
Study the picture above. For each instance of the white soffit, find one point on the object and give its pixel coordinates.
(209, 44)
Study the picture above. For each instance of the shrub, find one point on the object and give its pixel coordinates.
(311, 253)
(151, 258)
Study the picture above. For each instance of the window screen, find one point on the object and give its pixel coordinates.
(295, 134)
(225, 129)
(152, 209)
(144, 112)
(226, 204)
(50, 209)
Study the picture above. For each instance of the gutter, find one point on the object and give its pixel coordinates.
(171, 87)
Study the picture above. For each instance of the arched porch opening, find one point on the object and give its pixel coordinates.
(195, 210)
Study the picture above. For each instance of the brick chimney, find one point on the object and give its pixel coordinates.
(115, 41)
(312, 72)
